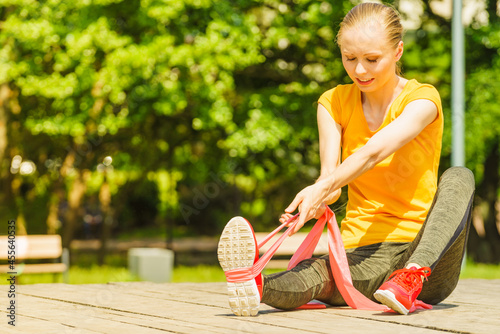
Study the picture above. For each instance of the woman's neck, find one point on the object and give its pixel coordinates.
(378, 102)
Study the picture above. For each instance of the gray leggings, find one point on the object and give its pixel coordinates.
(440, 245)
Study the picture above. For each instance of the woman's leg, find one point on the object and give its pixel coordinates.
(441, 242)
(292, 288)
(440, 245)
(312, 278)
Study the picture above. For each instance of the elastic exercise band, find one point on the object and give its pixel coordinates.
(338, 261)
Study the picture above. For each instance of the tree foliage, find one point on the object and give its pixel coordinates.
(207, 108)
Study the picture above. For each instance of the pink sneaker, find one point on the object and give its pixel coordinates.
(400, 292)
(238, 249)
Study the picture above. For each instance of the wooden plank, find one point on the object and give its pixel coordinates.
(143, 307)
(30, 324)
(47, 246)
(484, 293)
(120, 299)
(38, 268)
(65, 317)
(86, 317)
(91, 312)
(452, 315)
(310, 321)
(198, 244)
(459, 317)
(183, 301)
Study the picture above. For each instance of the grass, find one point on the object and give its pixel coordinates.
(480, 270)
(104, 274)
(94, 274)
(80, 275)
(201, 273)
(215, 274)
(204, 273)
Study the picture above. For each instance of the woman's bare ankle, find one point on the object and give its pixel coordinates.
(413, 265)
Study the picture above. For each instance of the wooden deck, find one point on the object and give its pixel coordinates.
(143, 307)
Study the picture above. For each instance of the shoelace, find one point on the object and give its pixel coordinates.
(336, 251)
(411, 278)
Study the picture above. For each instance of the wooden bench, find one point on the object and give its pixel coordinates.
(36, 247)
(289, 247)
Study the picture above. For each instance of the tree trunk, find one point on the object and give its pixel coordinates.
(487, 248)
(6, 177)
(105, 199)
(53, 217)
(57, 197)
(73, 216)
(492, 9)
(5, 93)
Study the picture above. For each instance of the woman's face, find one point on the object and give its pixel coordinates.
(368, 58)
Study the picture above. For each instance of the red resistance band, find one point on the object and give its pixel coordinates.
(338, 261)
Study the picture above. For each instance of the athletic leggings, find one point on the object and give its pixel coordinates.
(440, 245)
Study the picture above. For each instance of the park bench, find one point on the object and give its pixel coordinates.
(47, 250)
(289, 247)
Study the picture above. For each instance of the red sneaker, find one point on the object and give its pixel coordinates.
(238, 249)
(400, 292)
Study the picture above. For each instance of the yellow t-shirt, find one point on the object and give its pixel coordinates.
(389, 203)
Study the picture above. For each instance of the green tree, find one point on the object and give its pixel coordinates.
(207, 108)
(482, 138)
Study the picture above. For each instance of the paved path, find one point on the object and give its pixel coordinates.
(143, 307)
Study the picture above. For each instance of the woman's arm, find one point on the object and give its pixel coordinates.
(329, 153)
(329, 148)
(414, 118)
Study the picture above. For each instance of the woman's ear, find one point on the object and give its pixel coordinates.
(399, 51)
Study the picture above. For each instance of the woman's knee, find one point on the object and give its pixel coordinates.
(442, 281)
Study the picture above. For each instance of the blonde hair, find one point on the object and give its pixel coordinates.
(370, 12)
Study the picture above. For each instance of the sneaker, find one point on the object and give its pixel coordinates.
(400, 292)
(238, 249)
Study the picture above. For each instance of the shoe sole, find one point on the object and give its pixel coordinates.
(237, 249)
(389, 299)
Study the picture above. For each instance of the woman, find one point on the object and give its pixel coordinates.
(386, 132)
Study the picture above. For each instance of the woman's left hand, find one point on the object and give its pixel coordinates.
(310, 202)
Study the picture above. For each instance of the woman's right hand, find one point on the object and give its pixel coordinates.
(333, 197)
(286, 217)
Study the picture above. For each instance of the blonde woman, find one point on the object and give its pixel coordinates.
(381, 136)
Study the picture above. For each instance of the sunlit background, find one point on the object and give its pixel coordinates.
(149, 124)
